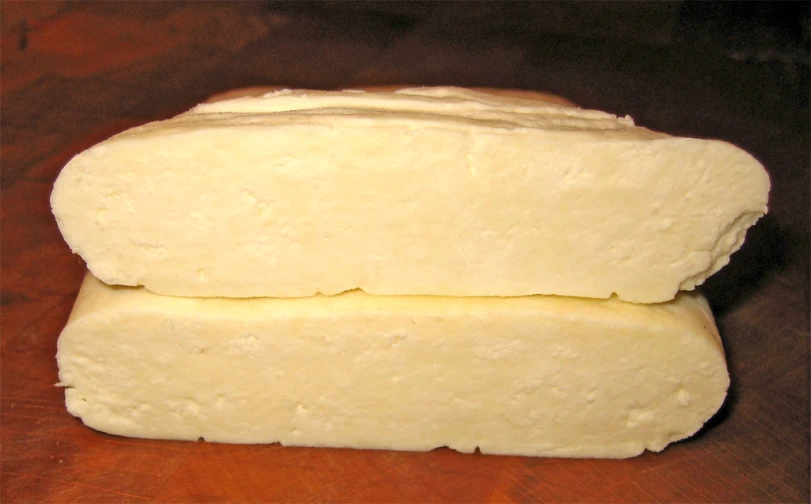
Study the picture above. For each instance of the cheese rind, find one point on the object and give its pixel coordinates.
(434, 191)
(537, 375)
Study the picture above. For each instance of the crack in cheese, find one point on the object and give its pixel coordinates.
(429, 191)
(536, 375)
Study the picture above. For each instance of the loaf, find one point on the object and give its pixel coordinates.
(536, 375)
(424, 191)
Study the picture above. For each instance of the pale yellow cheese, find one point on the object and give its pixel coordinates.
(536, 375)
(435, 191)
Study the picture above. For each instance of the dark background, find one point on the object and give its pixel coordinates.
(73, 73)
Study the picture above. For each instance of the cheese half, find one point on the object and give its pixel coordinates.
(537, 375)
(429, 191)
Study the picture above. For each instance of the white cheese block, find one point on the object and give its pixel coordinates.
(535, 375)
(435, 191)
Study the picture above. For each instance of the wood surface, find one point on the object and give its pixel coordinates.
(73, 73)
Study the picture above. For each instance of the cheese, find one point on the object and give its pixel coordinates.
(429, 191)
(536, 375)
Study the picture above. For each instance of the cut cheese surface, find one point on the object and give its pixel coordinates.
(427, 191)
(536, 375)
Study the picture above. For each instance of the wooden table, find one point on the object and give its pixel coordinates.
(75, 73)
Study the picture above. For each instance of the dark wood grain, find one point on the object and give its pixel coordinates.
(75, 73)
